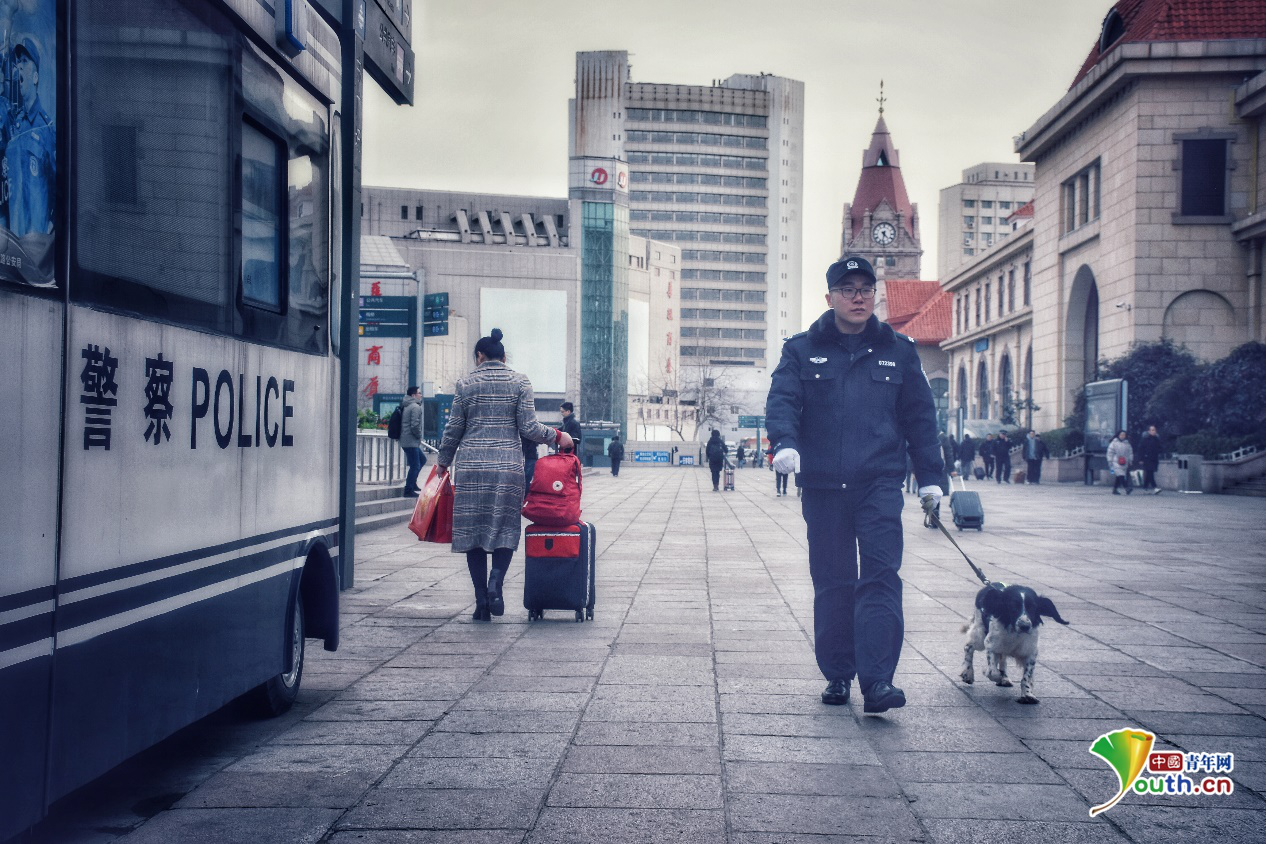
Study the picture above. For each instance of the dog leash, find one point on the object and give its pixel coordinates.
(980, 574)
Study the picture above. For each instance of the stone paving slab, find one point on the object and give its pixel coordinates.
(688, 709)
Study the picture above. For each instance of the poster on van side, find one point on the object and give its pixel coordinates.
(28, 136)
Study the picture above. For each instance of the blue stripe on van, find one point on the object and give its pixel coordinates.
(103, 606)
(25, 599)
(24, 631)
(99, 577)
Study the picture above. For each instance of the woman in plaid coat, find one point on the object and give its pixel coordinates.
(492, 409)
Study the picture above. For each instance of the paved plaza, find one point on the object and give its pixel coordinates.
(688, 710)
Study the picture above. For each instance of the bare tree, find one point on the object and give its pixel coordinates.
(663, 393)
(712, 392)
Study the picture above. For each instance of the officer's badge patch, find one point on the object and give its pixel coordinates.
(817, 360)
(33, 164)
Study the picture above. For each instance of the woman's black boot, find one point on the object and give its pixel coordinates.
(496, 579)
(477, 562)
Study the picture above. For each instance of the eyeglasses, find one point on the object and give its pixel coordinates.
(851, 292)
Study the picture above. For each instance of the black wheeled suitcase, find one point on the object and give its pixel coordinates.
(558, 572)
(967, 510)
(980, 474)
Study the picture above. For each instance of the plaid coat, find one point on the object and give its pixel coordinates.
(492, 407)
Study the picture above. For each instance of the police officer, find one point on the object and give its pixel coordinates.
(847, 400)
(30, 154)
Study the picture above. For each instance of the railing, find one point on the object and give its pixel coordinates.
(1075, 452)
(380, 460)
(1243, 451)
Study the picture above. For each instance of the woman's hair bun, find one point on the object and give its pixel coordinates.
(496, 334)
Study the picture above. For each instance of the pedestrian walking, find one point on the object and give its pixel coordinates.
(492, 410)
(1035, 452)
(780, 481)
(412, 415)
(715, 451)
(616, 452)
(1120, 456)
(849, 397)
(1149, 458)
(741, 455)
(570, 425)
(1002, 458)
(967, 455)
(989, 454)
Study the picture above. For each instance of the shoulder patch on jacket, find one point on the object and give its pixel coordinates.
(794, 336)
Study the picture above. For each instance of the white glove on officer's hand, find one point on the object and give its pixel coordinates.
(930, 497)
(786, 461)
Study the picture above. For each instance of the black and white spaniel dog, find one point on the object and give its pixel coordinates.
(1005, 624)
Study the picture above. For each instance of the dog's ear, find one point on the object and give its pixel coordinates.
(991, 599)
(1046, 607)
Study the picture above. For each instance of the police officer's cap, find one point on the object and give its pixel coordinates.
(847, 266)
(27, 47)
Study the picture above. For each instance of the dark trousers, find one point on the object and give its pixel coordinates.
(1003, 470)
(1035, 471)
(988, 466)
(1149, 478)
(1120, 481)
(529, 466)
(615, 467)
(414, 455)
(780, 482)
(857, 618)
(715, 466)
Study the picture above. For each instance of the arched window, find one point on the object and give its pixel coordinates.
(1090, 335)
(982, 392)
(940, 397)
(1006, 393)
(1113, 29)
(962, 386)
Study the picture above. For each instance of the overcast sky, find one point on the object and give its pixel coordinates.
(961, 78)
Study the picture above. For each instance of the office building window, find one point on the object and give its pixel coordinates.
(1079, 198)
(1028, 278)
(1203, 177)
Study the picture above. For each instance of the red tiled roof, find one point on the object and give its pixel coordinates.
(1182, 20)
(881, 179)
(905, 297)
(1025, 210)
(931, 325)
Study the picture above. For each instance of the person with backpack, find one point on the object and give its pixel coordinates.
(493, 411)
(715, 452)
(409, 434)
(616, 452)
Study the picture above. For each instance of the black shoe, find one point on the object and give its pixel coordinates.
(1116, 492)
(884, 696)
(496, 604)
(480, 613)
(410, 495)
(836, 693)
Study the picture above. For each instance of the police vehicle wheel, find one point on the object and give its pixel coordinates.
(278, 694)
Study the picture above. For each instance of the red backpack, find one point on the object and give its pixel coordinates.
(553, 499)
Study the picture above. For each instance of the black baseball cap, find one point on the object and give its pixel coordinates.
(849, 265)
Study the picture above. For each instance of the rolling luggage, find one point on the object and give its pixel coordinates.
(558, 571)
(967, 510)
(980, 474)
(728, 479)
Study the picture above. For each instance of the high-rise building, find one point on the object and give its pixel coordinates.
(973, 214)
(717, 170)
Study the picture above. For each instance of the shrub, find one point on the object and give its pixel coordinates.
(1210, 444)
(1062, 440)
(1144, 368)
(366, 419)
(1232, 393)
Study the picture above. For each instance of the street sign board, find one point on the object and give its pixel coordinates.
(651, 457)
(436, 314)
(435, 329)
(387, 316)
(751, 421)
(435, 300)
(385, 330)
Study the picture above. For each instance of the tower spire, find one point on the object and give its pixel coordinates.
(880, 99)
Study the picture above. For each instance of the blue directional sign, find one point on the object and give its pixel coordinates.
(388, 316)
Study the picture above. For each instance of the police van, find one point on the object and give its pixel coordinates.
(170, 280)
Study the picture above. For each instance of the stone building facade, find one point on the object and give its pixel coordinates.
(1149, 192)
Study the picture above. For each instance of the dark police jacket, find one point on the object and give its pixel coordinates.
(851, 417)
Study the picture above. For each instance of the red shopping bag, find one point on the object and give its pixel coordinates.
(433, 514)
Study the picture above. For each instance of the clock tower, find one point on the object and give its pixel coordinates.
(881, 224)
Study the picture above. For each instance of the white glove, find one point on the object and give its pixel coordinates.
(930, 497)
(786, 461)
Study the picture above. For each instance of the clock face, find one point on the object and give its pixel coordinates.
(884, 233)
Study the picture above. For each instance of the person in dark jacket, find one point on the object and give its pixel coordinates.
(967, 456)
(570, 425)
(1149, 458)
(1002, 458)
(530, 456)
(1035, 451)
(715, 451)
(616, 452)
(740, 454)
(847, 400)
(989, 454)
